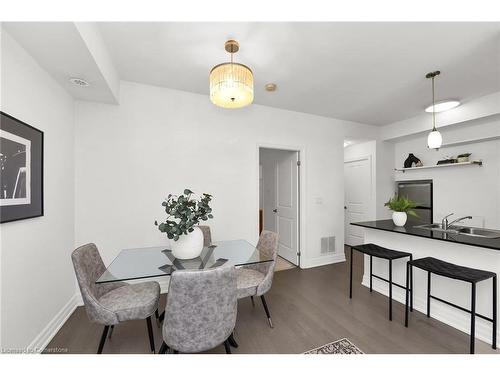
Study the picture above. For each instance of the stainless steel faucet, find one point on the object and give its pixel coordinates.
(444, 221)
(446, 225)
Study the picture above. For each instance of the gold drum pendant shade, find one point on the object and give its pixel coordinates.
(231, 84)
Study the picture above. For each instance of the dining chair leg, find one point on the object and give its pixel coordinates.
(267, 311)
(150, 333)
(103, 339)
(227, 347)
(163, 348)
(110, 331)
(161, 317)
(232, 341)
(253, 302)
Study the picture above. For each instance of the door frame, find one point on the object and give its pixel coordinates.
(373, 192)
(300, 193)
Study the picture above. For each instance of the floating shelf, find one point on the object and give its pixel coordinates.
(473, 162)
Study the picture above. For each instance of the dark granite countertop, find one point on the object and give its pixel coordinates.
(409, 229)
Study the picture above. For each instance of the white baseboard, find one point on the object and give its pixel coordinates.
(439, 311)
(323, 260)
(50, 330)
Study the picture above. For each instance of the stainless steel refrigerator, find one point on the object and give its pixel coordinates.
(419, 191)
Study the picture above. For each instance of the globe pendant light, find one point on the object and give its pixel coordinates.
(434, 139)
(231, 84)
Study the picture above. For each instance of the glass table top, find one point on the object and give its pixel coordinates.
(156, 261)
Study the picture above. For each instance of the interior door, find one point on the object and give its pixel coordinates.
(357, 198)
(286, 211)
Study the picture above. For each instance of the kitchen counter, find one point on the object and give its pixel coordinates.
(411, 230)
(474, 252)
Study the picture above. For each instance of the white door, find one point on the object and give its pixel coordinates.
(286, 210)
(357, 198)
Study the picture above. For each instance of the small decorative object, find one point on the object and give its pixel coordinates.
(402, 207)
(463, 158)
(21, 170)
(410, 160)
(447, 160)
(184, 213)
(434, 139)
(419, 164)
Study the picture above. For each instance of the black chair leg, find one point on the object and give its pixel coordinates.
(407, 292)
(103, 339)
(163, 348)
(227, 347)
(253, 302)
(473, 318)
(428, 294)
(150, 333)
(110, 331)
(350, 275)
(267, 311)
(232, 341)
(411, 284)
(390, 289)
(161, 317)
(371, 273)
(494, 338)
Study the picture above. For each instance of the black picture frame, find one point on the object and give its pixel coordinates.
(21, 193)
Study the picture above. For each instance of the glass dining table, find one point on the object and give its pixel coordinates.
(141, 263)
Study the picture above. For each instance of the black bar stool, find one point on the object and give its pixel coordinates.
(380, 252)
(453, 271)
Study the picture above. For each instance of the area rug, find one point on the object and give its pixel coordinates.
(342, 346)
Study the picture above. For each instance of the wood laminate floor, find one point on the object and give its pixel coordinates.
(309, 308)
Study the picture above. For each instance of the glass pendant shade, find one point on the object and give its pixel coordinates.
(231, 85)
(434, 139)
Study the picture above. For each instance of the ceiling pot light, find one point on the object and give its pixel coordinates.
(271, 87)
(442, 106)
(231, 84)
(79, 82)
(434, 139)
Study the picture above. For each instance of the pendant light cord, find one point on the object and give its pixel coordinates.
(433, 108)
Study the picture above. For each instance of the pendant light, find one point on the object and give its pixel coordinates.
(231, 84)
(434, 139)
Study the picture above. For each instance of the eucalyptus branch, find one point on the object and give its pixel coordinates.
(187, 210)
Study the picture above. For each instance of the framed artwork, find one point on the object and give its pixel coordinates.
(21, 170)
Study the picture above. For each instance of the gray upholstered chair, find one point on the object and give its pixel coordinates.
(201, 310)
(207, 235)
(256, 279)
(115, 302)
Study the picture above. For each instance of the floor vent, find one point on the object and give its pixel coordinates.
(327, 245)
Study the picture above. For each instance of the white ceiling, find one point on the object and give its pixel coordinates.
(371, 73)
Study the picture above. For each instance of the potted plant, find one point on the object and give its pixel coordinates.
(402, 207)
(184, 212)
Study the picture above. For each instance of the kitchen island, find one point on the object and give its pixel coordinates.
(464, 250)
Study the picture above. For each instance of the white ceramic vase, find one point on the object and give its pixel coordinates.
(399, 218)
(188, 246)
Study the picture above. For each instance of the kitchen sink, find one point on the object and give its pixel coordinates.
(479, 232)
(466, 231)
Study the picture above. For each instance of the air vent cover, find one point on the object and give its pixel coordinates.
(327, 245)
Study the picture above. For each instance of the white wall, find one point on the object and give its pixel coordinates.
(468, 190)
(37, 279)
(157, 141)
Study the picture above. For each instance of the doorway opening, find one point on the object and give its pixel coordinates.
(279, 205)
